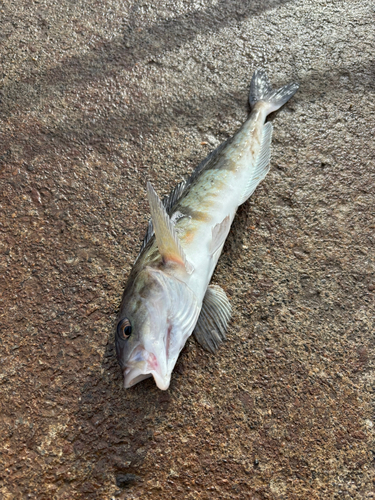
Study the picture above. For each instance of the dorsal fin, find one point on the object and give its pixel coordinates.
(177, 192)
(167, 240)
(208, 162)
(170, 200)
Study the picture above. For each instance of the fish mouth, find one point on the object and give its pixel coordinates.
(143, 364)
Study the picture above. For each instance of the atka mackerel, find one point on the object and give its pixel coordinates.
(168, 296)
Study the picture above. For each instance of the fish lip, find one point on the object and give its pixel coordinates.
(143, 364)
(133, 375)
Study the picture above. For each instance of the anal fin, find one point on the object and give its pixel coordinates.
(219, 234)
(211, 327)
(262, 164)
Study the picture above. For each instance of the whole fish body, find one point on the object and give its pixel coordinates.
(168, 297)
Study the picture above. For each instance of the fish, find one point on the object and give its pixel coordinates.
(168, 296)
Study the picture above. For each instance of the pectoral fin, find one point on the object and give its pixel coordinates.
(213, 320)
(166, 237)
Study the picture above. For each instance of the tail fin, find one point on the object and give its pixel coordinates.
(261, 90)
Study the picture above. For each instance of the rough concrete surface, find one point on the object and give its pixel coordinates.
(97, 97)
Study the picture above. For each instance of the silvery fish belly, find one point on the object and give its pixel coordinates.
(168, 296)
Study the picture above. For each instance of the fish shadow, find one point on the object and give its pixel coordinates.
(117, 426)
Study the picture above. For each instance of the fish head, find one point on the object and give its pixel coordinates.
(157, 315)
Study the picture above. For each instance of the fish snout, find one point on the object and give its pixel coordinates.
(143, 364)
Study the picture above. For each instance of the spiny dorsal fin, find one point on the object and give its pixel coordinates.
(175, 195)
(170, 200)
(208, 162)
(149, 234)
(262, 164)
(166, 237)
(214, 318)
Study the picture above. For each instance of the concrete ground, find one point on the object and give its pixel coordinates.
(97, 97)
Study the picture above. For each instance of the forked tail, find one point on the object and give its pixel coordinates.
(261, 90)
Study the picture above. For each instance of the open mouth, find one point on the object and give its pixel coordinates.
(134, 375)
(143, 364)
(131, 379)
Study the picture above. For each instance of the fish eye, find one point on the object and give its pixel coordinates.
(124, 329)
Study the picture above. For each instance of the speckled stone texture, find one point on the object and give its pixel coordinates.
(97, 97)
